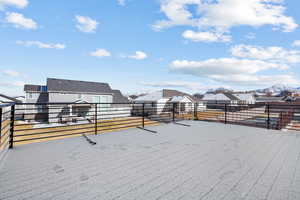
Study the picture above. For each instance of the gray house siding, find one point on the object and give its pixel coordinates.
(63, 109)
(68, 93)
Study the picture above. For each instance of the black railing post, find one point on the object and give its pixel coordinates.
(96, 119)
(225, 109)
(268, 113)
(143, 115)
(12, 124)
(173, 112)
(0, 124)
(196, 111)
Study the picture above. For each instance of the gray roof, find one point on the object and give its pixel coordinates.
(9, 99)
(166, 93)
(118, 97)
(220, 97)
(244, 96)
(63, 85)
(269, 99)
(153, 96)
(231, 96)
(163, 94)
(33, 88)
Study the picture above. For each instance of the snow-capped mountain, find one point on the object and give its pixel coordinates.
(278, 88)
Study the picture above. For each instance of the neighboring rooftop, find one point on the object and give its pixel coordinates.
(269, 99)
(118, 97)
(203, 161)
(7, 99)
(162, 94)
(63, 85)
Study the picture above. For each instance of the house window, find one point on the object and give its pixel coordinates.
(30, 95)
(40, 108)
(44, 89)
(66, 111)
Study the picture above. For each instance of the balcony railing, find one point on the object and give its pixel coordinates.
(24, 123)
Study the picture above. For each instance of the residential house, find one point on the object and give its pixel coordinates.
(19, 109)
(245, 98)
(74, 99)
(220, 98)
(163, 100)
(269, 99)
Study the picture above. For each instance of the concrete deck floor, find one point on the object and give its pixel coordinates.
(204, 161)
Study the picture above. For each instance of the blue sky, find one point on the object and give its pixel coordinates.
(144, 45)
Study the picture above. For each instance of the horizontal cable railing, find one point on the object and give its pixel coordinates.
(42, 122)
(24, 123)
(6, 128)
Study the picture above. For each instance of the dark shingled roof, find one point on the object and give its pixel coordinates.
(33, 88)
(10, 99)
(118, 97)
(63, 85)
(231, 96)
(173, 93)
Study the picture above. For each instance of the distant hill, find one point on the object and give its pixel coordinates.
(278, 88)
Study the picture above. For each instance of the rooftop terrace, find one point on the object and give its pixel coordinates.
(203, 161)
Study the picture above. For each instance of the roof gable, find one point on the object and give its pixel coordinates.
(118, 97)
(172, 93)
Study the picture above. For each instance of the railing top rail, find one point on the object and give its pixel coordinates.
(6, 105)
(68, 103)
(71, 103)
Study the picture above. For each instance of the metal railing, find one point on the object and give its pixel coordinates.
(45, 121)
(23, 123)
(6, 128)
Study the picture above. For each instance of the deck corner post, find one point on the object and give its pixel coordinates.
(12, 124)
(225, 109)
(0, 124)
(268, 113)
(173, 112)
(196, 111)
(96, 119)
(143, 115)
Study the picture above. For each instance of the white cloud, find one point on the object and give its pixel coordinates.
(139, 55)
(11, 73)
(220, 16)
(100, 53)
(296, 43)
(206, 36)
(121, 2)
(223, 66)
(250, 36)
(192, 86)
(235, 71)
(19, 21)
(273, 54)
(86, 24)
(14, 3)
(41, 44)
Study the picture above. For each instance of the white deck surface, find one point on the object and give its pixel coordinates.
(204, 161)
